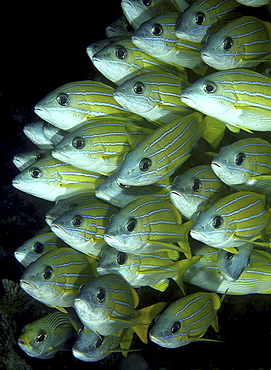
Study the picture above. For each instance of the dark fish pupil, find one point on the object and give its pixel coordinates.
(227, 44)
(175, 327)
(229, 255)
(217, 222)
(196, 185)
(209, 87)
(62, 99)
(120, 52)
(139, 88)
(157, 30)
(39, 156)
(145, 164)
(121, 258)
(77, 220)
(35, 173)
(78, 143)
(101, 295)
(131, 224)
(200, 18)
(48, 271)
(40, 338)
(38, 247)
(146, 2)
(239, 159)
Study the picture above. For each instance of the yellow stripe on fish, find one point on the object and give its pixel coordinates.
(232, 221)
(241, 43)
(186, 320)
(146, 225)
(52, 179)
(56, 277)
(100, 145)
(238, 97)
(69, 105)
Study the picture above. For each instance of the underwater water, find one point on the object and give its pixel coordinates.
(44, 51)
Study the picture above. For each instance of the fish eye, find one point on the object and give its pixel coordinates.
(35, 172)
(121, 258)
(239, 159)
(40, 337)
(71, 206)
(122, 186)
(101, 295)
(81, 287)
(209, 87)
(227, 43)
(175, 327)
(217, 222)
(62, 99)
(99, 341)
(131, 224)
(78, 143)
(146, 2)
(128, 27)
(145, 164)
(157, 29)
(139, 88)
(199, 18)
(229, 255)
(120, 52)
(196, 185)
(47, 272)
(77, 220)
(38, 247)
(39, 156)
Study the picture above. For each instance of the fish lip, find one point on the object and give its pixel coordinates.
(42, 113)
(186, 98)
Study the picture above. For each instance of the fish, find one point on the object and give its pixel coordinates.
(92, 347)
(25, 159)
(67, 204)
(121, 60)
(238, 97)
(231, 265)
(196, 22)
(195, 190)
(146, 269)
(51, 179)
(108, 304)
(69, 105)
(117, 194)
(232, 221)
(36, 247)
(46, 336)
(83, 225)
(55, 278)
(157, 37)
(245, 165)
(241, 43)
(254, 3)
(100, 145)
(154, 96)
(186, 320)
(146, 225)
(43, 134)
(254, 279)
(119, 27)
(137, 11)
(164, 150)
(96, 46)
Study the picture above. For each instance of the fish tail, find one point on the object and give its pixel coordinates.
(147, 314)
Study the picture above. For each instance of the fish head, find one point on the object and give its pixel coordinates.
(116, 60)
(94, 47)
(60, 106)
(211, 228)
(38, 180)
(232, 165)
(156, 35)
(114, 261)
(204, 95)
(125, 231)
(137, 95)
(35, 340)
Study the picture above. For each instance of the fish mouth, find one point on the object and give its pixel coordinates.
(82, 308)
(42, 113)
(29, 288)
(188, 101)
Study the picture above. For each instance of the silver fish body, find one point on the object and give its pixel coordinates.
(25, 159)
(195, 190)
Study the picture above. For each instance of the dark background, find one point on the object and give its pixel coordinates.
(43, 47)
